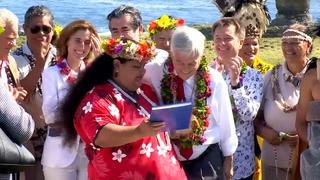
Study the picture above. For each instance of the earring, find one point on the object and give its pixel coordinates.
(116, 73)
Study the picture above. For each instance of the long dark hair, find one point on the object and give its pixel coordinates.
(97, 73)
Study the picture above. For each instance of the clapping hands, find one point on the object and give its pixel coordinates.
(233, 66)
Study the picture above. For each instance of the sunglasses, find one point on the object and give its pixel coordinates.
(36, 29)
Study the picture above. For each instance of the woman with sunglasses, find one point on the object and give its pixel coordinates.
(35, 55)
(76, 45)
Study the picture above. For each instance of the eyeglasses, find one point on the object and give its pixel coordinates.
(36, 29)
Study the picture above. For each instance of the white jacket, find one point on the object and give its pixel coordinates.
(54, 89)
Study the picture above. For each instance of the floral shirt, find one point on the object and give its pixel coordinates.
(246, 102)
(147, 158)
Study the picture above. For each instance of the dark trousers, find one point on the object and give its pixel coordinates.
(248, 178)
(209, 165)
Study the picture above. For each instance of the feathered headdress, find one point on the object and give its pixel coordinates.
(253, 14)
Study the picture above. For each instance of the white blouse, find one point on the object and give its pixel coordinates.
(277, 119)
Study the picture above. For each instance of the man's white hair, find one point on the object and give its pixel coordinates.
(8, 18)
(188, 40)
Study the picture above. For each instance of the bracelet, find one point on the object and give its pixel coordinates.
(283, 136)
(237, 86)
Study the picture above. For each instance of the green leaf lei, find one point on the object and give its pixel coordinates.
(243, 70)
(201, 111)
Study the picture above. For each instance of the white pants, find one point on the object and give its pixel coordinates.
(78, 170)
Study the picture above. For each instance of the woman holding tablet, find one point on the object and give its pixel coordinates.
(110, 112)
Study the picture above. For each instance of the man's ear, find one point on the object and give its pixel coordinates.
(241, 43)
(141, 29)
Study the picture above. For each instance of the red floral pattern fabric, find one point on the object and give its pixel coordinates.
(143, 159)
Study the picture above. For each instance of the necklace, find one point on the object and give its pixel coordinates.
(276, 92)
(66, 70)
(276, 161)
(145, 113)
(201, 111)
(10, 79)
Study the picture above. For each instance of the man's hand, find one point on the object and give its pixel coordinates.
(228, 167)
(19, 94)
(234, 69)
(41, 53)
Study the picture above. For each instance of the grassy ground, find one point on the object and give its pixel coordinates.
(270, 47)
(270, 50)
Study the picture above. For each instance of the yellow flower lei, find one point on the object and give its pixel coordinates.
(57, 29)
(1, 29)
(261, 66)
(163, 23)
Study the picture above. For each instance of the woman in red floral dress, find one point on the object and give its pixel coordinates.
(110, 113)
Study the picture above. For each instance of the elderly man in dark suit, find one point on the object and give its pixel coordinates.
(18, 124)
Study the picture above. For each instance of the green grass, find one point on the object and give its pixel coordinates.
(270, 50)
(270, 47)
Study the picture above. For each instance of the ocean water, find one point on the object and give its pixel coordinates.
(193, 11)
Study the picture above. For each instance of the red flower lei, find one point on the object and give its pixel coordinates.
(201, 111)
(66, 70)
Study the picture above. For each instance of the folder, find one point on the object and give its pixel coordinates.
(176, 116)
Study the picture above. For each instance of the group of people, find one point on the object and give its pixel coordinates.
(96, 125)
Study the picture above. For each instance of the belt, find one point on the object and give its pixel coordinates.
(210, 148)
(54, 132)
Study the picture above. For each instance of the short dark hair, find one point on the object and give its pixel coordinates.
(230, 21)
(127, 10)
(38, 11)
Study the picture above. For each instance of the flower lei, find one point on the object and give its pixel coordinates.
(261, 66)
(1, 29)
(57, 30)
(65, 69)
(243, 71)
(144, 50)
(201, 111)
(163, 23)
